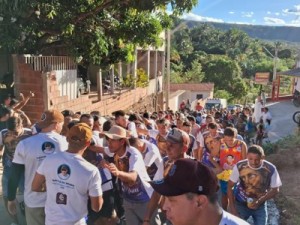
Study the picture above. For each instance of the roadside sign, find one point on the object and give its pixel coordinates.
(262, 78)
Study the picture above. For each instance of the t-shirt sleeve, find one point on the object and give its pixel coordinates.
(19, 156)
(200, 139)
(95, 184)
(41, 168)
(234, 177)
(149, 158)
(136, 162)
(275, 180)
(132, 128)
(63, 144)
(153, 133)
(1, 137)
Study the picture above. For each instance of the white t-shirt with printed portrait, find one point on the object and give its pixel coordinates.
(153, 160)
(132, 160)
(30, 153)
(67, 194)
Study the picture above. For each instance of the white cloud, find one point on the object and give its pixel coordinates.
(231, 12)
(274, 21)
(269, 13)
(247, 14)
(195, 17)
(294, 11)
(238, 22)
(277, 13)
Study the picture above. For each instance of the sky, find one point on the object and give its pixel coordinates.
(255, 12)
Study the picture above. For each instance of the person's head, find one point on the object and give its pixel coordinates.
(209, 119)
(191, 119)
(190, 187)
(6, 100)
(162, 126)
(161, 114)
(212, 144)
(186, 127)
(230, 159)
(230, 134)
(4, 113)
(79, 137)
(255, 156)
(87, 119)
(177, 143)
(51, 120)
(146, 115)
(116, 138)
(212, 127)
(266, 109)
(97, 123)
(107, 125)
(14, 124)
(64, 170)
(120, 118)
(137, 143)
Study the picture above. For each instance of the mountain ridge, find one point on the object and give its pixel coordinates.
(270, 33)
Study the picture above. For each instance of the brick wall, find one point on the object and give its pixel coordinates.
(27, 80)
(47, 94)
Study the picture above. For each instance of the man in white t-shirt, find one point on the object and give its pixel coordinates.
(190, 189)
(257, 181)
(152, 158)
(70, 181)
(28, 156)
(122, 121)
(130, 170)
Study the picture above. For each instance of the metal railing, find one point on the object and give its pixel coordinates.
(48, 63)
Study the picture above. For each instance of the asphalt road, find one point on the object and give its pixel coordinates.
(282, 125)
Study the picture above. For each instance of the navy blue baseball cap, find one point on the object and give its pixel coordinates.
(187, 176)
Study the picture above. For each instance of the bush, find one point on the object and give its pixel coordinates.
(141, 80)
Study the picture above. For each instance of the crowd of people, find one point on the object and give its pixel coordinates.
(188, 167)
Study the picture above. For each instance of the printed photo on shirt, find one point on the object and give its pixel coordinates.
(64, 172)
(48, 147)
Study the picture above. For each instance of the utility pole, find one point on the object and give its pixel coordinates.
(275, 61)
(168, 68)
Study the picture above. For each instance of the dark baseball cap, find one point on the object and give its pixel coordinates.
(187, 176)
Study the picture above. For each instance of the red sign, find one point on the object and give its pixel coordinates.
(262, 78)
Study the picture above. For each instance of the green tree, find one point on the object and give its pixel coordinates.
(101, 31)
(223, 94)
(221, 71)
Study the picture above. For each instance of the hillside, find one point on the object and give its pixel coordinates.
(271, 33)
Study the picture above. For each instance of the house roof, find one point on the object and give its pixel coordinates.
(192, 87)
(293, 72)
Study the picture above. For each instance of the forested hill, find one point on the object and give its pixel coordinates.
(272, 33)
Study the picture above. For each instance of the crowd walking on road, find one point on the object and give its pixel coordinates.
(185, 167)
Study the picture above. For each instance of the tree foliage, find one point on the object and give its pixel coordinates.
(101, 31)
(230, 59)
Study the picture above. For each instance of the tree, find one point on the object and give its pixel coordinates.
(221, 71)
(101, 31)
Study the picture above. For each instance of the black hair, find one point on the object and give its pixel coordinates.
(86, 115)
(256, 149)
(4, 111)
(230, 132)
(13, 123)
(146, 115)
(107, 125)
(119, 113)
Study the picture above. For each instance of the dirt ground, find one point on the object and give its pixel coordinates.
(287, 160)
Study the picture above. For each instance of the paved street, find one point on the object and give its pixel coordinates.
(282, 125)
(282, 122)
